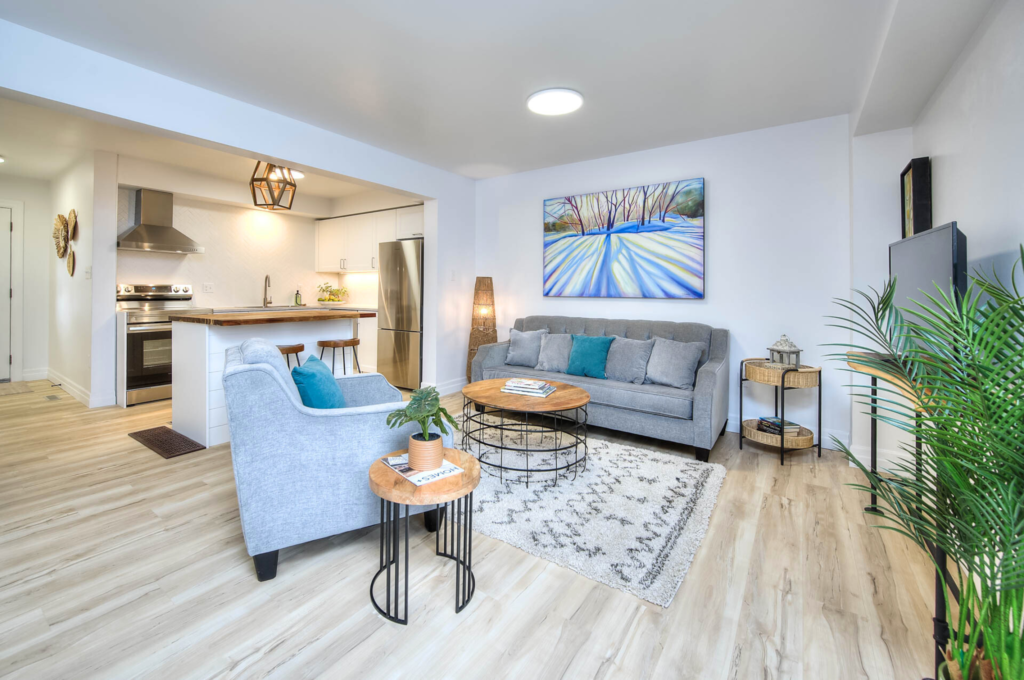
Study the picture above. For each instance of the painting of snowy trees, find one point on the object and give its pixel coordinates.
(644, 242)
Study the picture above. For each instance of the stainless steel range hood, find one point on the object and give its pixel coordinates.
(153, 230)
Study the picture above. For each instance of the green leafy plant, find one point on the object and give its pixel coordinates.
(961, 361)
(424, 408)
(329, 293)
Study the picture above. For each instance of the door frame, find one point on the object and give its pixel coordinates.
(17, 284)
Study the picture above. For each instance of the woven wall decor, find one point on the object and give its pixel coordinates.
(72, 225)
(60, 235)
(71, 262)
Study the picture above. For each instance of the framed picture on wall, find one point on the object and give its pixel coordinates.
(916, 196)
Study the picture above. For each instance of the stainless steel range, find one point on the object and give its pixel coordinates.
(144, 339)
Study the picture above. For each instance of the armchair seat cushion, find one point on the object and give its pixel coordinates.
(317, 385)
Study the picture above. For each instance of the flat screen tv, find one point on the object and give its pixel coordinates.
(919, 263)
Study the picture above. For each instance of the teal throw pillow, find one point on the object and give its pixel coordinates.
(317, 387)
(589, 355)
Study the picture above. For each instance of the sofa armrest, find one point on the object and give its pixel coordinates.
(711, 393)
(365, 389)
(489, 356)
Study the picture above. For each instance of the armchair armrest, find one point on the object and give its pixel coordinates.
(489, 356)
(365, 389)
(711, 393)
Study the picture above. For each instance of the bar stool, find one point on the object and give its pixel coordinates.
(334, 345)
(289, 350)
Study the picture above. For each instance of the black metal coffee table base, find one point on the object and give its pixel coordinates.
(453, 540)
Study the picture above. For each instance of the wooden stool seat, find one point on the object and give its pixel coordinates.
(335, 345)
(289, 350)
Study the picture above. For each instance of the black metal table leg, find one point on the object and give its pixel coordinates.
(874, 444)
(390, 554)
(820, 433)
(782, 418)
(460, 531)
(743, 363)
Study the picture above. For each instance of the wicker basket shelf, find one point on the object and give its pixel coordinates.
(768, 374)
(804, 440)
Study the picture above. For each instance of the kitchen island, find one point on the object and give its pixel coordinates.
(199, 342)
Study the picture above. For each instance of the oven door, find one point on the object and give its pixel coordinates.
(148, 360)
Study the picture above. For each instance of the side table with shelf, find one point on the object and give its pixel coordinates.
(759, 370)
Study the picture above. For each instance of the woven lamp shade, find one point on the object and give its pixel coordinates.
(484, 330)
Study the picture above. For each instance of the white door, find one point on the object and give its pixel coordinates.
(5, 293)
(384, 224)
(330, 245)
(410, 222)
(360, 245)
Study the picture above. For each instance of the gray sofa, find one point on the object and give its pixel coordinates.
(303, 473)
(696, 416)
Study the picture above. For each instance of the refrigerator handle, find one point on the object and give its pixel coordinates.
(373, 262)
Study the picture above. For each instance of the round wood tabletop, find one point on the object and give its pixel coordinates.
(393, 487)
(488, 393)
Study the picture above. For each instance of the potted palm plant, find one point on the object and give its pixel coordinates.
(961, 487)
(424, 408)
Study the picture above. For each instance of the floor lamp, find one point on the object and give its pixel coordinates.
(484, 330)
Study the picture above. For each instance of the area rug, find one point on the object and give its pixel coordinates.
(632, 518)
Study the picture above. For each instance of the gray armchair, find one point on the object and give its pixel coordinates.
(302, 474)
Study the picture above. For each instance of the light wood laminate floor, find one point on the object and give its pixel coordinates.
(116, 563)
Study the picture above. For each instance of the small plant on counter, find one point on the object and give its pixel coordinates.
(329, 293)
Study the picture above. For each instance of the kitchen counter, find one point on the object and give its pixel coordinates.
(258, 317)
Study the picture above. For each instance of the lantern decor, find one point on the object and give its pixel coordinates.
(272, 186)
(484, 330)
(784, 354)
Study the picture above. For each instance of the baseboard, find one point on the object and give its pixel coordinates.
(885, 456)
(451, 386)
(72, 388)
(34, 374)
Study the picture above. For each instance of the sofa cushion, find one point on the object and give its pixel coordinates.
(554, 353)
(654, 399)
(317, 385)
(674, 363)
(260, 351)
(627, 359)
(589, 356)
(524, 347)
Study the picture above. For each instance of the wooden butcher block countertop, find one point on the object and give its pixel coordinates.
(257, 318)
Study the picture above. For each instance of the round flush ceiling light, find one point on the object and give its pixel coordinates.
(1, 159)
(297, 174)
(555, 102)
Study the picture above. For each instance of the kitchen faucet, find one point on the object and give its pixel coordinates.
(267, 299)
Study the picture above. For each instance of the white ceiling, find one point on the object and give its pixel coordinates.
(40, 143)
(446, 83)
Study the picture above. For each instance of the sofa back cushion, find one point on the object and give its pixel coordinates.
(554, 353)
(524, 347)
(260, 351)
(317, 386)
(627, 359)
(634, 330)
(588, 356)
(674, 363)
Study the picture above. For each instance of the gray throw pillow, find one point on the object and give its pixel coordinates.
(627, 360)
(674, 363)
(554, 352)
(524, 347)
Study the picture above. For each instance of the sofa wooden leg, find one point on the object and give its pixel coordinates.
(724, 425)
(432, 519)
(266, 565)
(702, 454)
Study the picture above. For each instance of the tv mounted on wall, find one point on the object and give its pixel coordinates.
(919, 263)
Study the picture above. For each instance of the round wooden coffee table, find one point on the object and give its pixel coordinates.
(452, 498)
(562, 415)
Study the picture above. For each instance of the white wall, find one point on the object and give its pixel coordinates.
(70, 309)
(242, 246)
(777, 246)
(35, 280)
(102, 269)
(972, 129)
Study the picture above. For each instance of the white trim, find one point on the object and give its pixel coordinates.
(34, 374)
(451, 387)
(74, 389)
(18, 286)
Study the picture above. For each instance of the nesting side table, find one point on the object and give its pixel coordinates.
(455, 495)
(760, 371)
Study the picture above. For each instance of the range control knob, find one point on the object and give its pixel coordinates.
(129, 289)
(186, 289)
(176, 289)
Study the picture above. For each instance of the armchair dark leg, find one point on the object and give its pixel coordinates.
(702, 454)
(432, 518)
(266, 565)
(724, 425)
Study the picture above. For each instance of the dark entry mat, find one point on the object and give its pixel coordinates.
(166, 441)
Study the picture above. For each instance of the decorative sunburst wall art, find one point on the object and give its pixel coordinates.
(65, 230)
(643, 242)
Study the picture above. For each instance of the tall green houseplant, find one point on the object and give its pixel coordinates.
(963, 490)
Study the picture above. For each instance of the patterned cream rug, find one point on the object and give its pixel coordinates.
(632, 518)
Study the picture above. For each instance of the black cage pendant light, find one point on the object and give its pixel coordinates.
(272, 186)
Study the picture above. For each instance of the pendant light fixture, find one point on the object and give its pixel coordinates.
(272, 186)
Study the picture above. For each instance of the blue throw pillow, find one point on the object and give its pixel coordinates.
(317, 387)
(589, 355)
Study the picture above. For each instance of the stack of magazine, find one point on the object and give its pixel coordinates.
(774, 426)
(527, 388)
(400, 464)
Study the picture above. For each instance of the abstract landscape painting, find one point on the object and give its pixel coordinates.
(644, 242)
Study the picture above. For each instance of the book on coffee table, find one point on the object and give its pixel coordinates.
(400, 464)
(527, 388)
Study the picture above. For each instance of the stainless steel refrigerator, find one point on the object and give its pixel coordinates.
(400, 313)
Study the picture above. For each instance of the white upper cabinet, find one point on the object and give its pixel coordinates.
(384, 225)
(330, 245)
(410, 222)
(360, 245)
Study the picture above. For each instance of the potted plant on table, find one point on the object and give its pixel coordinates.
(425, 449)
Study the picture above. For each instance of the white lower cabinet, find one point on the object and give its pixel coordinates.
(368, 345)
